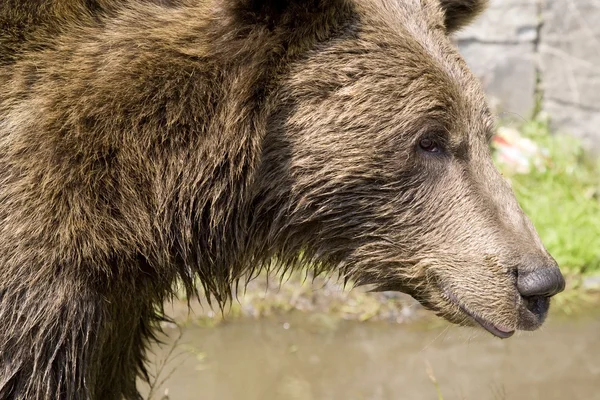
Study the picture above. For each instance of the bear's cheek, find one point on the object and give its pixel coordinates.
(473, 292)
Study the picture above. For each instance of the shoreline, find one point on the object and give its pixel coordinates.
(326, 297)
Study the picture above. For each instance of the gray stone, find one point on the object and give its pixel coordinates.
(575, 120)
(500, 49)
(569, 52)
(591, 282)
(508, 75)
(505, 21)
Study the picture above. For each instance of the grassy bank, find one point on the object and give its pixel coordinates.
(325, 298)
(560, 195)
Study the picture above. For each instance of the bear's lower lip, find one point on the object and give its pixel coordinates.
(491, 328)
(500, 332)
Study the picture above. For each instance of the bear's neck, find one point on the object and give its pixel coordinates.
(224, 225)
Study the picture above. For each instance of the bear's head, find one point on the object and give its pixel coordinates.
(376, 162)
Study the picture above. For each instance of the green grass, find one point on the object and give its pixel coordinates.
(562, 200)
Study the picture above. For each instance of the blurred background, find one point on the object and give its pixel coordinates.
(313, 339)
(540, 56)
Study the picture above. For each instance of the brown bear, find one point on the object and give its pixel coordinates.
(149, 143)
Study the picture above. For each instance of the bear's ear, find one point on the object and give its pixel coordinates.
(460, 12)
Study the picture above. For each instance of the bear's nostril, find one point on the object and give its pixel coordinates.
(538, 305)
(540, 282)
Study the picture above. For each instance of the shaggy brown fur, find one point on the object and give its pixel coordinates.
(148, 142)
(25, 24)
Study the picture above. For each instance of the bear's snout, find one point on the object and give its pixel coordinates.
(542, 281)
(536, 284)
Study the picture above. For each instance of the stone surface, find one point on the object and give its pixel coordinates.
(505, 21)
(500, 49)
(518, 42)
(569, 51)
(508, 74)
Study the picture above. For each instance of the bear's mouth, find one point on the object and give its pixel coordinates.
(496, 330)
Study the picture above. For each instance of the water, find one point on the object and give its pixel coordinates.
(314, 357)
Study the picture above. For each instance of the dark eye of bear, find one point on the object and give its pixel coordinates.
(429, 145)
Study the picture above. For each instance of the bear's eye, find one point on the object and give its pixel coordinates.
(429, 145)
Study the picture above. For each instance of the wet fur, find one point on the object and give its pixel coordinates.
(144, 143)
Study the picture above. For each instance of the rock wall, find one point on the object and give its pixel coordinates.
(540, 55)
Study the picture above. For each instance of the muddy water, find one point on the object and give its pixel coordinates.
(308, 357)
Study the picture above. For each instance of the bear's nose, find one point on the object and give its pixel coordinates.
(540, 282)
